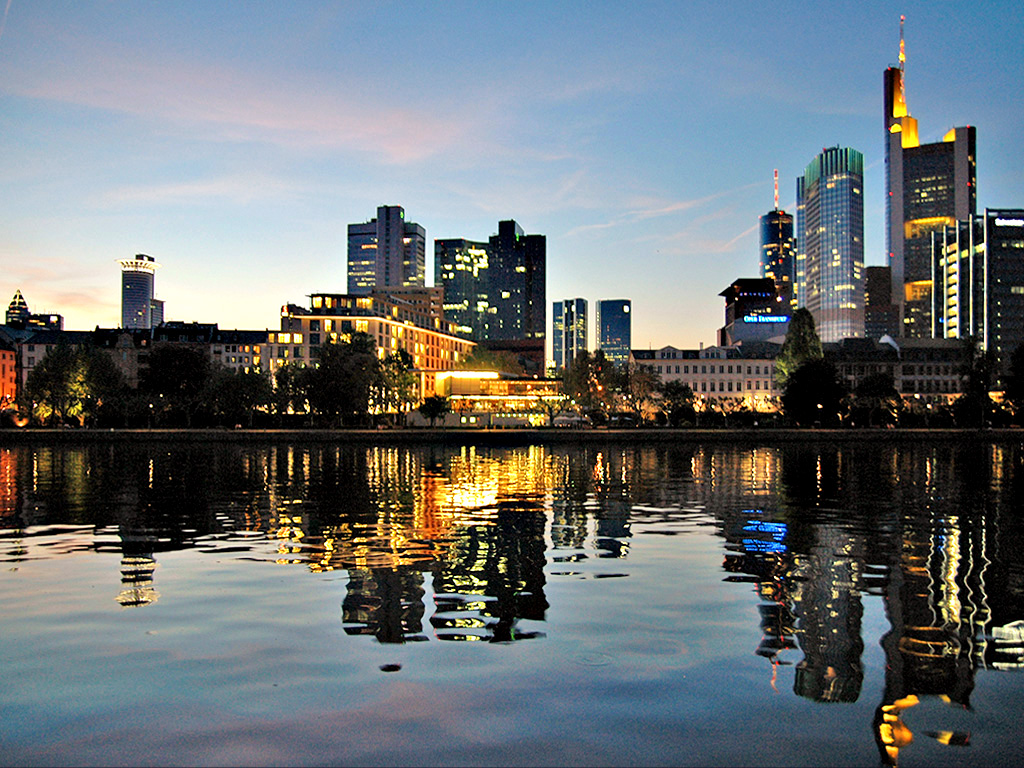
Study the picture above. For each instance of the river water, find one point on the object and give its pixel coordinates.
(608, 604)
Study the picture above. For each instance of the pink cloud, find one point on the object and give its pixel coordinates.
(233, 106)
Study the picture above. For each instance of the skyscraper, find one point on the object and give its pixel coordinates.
(928, 187)
(569, 331)
(881, 315)
(517, 284)
(137, 291)
(830, 238)
(978, 271)
(615, 329)
(386, 252)
(461, 269)
(778, 250)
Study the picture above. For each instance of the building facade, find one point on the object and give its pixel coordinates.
(754, 311)
(568, 331)
(881, 314)
(517, 284)
(461, 270)
(978, 273)
(778, 253)
(394, 321)
(19, 317)
(830, 242)
(742, 374)
(386, 252)
(137, 276)
(615, 329)
(928, 187)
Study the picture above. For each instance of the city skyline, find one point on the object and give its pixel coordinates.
(643, 148)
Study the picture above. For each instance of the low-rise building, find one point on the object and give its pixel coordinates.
(743, 374)
(492, 399)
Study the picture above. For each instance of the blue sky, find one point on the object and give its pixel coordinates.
(234, 142)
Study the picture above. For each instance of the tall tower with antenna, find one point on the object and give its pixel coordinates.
(928, 187)
(778, 250)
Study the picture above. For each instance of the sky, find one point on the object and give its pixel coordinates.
(234, 142)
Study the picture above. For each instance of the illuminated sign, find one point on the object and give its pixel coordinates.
(766, 319)
(1010, 222)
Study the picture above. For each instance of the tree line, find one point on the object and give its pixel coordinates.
(181, 387)
(350, 385)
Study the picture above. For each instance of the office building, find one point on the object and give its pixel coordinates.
(386, 252)
(19, 317)
(615, 329)
(778, 250)
(978, 272)
(569, 331)
(881, 315)
(517, 284)
(497, 291)
(754, 311)
(137, 291)
(460, 268)
(928, 187)
(830, 241)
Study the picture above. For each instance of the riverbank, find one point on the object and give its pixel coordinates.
(503, 437)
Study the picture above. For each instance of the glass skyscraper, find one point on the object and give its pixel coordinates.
(778, 253)
(569, 331)
(978, 273)
(517, 272)
(928, 187)
(615, 329)
(461, 269)
(386, 252)
(830, 240)
(137, 291)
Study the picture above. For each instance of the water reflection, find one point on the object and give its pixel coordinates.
(460, 544)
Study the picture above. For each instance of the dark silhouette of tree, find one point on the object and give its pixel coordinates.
(235, 396)
(393, 389)
(339, 387)
(638, 388)
(974, 407)
(177, 381)
(434, 408)
(801, 346)
(814, 394)
(876, 400)
(677, 401)
(1015, 383)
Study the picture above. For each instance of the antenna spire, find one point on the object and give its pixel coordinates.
(776, 189)
(903, 50)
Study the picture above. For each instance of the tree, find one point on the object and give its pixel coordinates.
(177, 379)
(640, 386)
(393, 389)
(1015, 382)
(339, 387)
(876, 400)
(434, 408)
(74, 382)
(289, 390)
(974, 406)
(677, 401)
(482, 359)
(801, 346)
(814, 394)
(235, 396)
